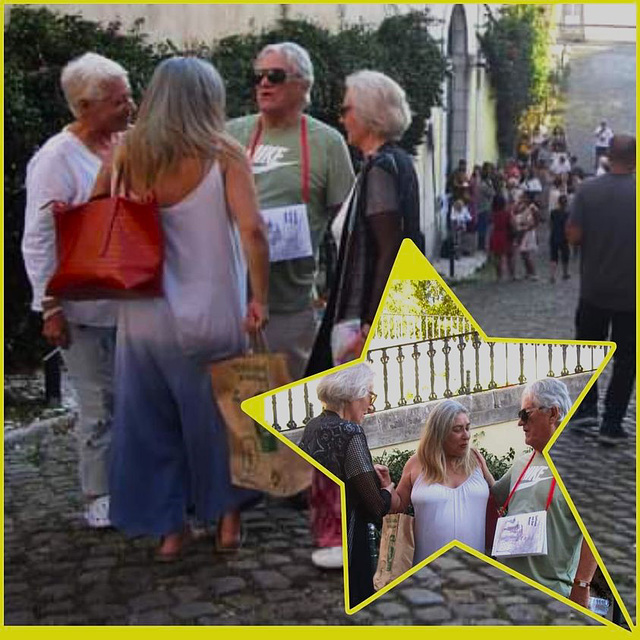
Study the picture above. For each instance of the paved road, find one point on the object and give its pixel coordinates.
(601, 84)
(601, 481)
(59, 573)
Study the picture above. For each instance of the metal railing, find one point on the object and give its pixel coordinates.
(427, 370)
(409, 327)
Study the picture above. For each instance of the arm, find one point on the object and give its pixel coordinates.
(47, 182)
(402, 496)
(384, 225)
(573, 228)
(362, 480)
(243, 205)
(587, 566)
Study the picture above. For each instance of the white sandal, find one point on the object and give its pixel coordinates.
(97, 513)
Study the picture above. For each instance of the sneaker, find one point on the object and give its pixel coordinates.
(327, 558)
(96, 513)
(612, 437)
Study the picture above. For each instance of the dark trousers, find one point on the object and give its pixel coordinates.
(595, 323)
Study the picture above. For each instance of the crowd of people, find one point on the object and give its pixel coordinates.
(447, 482)
(500, 209)
(243, 206)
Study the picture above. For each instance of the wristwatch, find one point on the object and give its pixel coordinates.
(583, 584)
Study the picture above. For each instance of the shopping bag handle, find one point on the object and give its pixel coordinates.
(258, 342)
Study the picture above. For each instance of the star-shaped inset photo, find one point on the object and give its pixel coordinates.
(438, 437)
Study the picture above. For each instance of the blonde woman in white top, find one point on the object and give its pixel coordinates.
(447, 482)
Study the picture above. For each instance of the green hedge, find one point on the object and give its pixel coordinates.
(38, 43)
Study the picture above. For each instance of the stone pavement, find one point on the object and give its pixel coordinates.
(601, 481)
(59, 573)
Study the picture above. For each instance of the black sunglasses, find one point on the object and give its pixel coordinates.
(525, 414)
(344, 109)
(274, 76)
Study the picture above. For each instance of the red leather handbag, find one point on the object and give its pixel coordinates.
(110, 247)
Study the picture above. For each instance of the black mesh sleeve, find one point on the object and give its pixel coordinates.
(385, 231)
(362, 480)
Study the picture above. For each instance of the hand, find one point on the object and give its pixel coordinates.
(580, 595)
(56, 330)
(383, 474)
(257, 316)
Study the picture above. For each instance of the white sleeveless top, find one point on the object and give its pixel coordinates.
(443, 514)
(204, 275)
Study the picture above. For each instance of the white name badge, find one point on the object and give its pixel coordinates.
(524, 534)
(289, 233)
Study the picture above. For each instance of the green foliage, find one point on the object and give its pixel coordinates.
(396, 460)
(516, 46)
(38, 43)
(401, 47)
(420, 297)
(498, 465)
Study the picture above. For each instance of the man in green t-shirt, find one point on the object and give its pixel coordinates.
(303, 173)
(569, 565)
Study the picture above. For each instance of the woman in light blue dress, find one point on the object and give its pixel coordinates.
(169, 449)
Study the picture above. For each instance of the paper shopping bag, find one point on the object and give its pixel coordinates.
(258, 460)
(396, 549)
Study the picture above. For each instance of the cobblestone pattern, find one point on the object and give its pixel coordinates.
(601, 481)
(59, 573)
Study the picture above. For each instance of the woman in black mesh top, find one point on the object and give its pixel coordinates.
(337, 441)
(382, 209)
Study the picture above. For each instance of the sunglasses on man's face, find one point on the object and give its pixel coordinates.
(525, 414)
(274, 76)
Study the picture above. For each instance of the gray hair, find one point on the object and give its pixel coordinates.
(347, 385)
(298, 58)
(380, 103)
(549, 392)
(84, 78)
(182, 115)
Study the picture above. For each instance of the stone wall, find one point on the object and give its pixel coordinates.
(399, 426)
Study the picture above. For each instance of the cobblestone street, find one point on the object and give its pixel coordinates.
(59, 573)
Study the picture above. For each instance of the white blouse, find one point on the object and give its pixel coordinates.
(443, 514)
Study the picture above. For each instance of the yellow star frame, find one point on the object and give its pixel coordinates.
(410, 264)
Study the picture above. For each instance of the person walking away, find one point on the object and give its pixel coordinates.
(603, 135)
(558, 244)
(501, 240)
(602, 222)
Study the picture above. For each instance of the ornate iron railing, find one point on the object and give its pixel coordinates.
(426, 370)
(405, 327)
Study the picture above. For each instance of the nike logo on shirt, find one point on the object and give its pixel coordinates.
(269, 157)
(533, 476)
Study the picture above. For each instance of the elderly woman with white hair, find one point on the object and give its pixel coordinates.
(447, 482)
(529, 486)
(337, 441)
(383, 208)
(64, 169)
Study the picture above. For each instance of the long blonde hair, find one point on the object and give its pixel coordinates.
(182, 115)
(430, 452)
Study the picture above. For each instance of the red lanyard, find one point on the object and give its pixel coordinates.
(304, 154)
(503, 509)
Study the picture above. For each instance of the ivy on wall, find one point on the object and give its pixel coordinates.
(516, 45)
